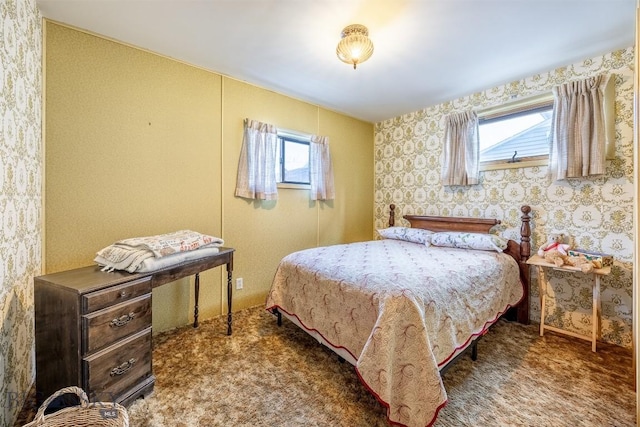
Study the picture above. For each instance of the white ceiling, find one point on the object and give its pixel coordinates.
(426, 51)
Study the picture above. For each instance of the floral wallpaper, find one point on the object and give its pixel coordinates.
(20, 196)
(595, 212)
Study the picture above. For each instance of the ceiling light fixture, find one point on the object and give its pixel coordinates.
(355, 46)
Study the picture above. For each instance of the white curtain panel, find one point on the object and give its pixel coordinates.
(257, 165)
(578, 129)
(461, 149)
(321, 169)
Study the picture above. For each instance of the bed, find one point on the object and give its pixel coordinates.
(401, 309)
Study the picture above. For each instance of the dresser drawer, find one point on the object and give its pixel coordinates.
(115, 294)
(108, 325)
(111, 371)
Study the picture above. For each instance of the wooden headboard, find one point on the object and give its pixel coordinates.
(443, 223)
(519, 251)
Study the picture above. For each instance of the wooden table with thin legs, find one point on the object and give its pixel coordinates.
(596, 309)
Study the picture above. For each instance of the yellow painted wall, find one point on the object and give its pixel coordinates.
(353, 173)
(139, 144)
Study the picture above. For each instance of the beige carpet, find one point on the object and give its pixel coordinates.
(265, 375)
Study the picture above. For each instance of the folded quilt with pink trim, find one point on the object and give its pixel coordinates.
(138, 253)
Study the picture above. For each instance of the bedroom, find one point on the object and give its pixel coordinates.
(106, 179)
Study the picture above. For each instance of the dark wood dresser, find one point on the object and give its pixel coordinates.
(93, 329)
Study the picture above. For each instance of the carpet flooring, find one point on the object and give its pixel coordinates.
(265, 375)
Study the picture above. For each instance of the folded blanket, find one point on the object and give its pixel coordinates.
(114, 257)
(130, 254)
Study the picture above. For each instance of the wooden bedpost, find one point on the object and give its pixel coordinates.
(392, 215)
(525, 253)
(525, 233)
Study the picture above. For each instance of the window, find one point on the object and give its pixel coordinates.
(516, 134)
(292, 166)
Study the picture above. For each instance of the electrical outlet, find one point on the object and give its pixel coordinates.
(239, 283)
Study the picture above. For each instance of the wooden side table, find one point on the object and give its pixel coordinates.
(542, 281)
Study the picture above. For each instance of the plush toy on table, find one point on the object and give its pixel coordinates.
(555, 250)
(581, 262)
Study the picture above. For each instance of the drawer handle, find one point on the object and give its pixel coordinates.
(122, 320)
(123, 294)
(123, 368)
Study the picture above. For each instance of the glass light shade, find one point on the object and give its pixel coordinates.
(355, 46)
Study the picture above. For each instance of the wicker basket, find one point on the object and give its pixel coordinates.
(87, 414)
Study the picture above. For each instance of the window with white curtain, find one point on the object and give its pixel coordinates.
(272, 158)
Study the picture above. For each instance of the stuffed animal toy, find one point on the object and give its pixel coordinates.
(585, 265)
(553, 256)
(555, 242)
(555, 250)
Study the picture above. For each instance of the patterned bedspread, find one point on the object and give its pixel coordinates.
(401, 309)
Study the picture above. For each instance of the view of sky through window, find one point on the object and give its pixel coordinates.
(497, 131)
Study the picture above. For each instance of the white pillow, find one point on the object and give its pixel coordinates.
(464, 240)
(408, 234)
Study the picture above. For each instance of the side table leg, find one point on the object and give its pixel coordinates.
(197, 295)
(229, 299)
(542, 285)
(596, 312)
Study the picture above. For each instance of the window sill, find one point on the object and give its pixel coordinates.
(294, 186)
(516, 165)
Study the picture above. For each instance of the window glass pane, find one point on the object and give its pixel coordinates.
(296, 162)
(525, 132)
